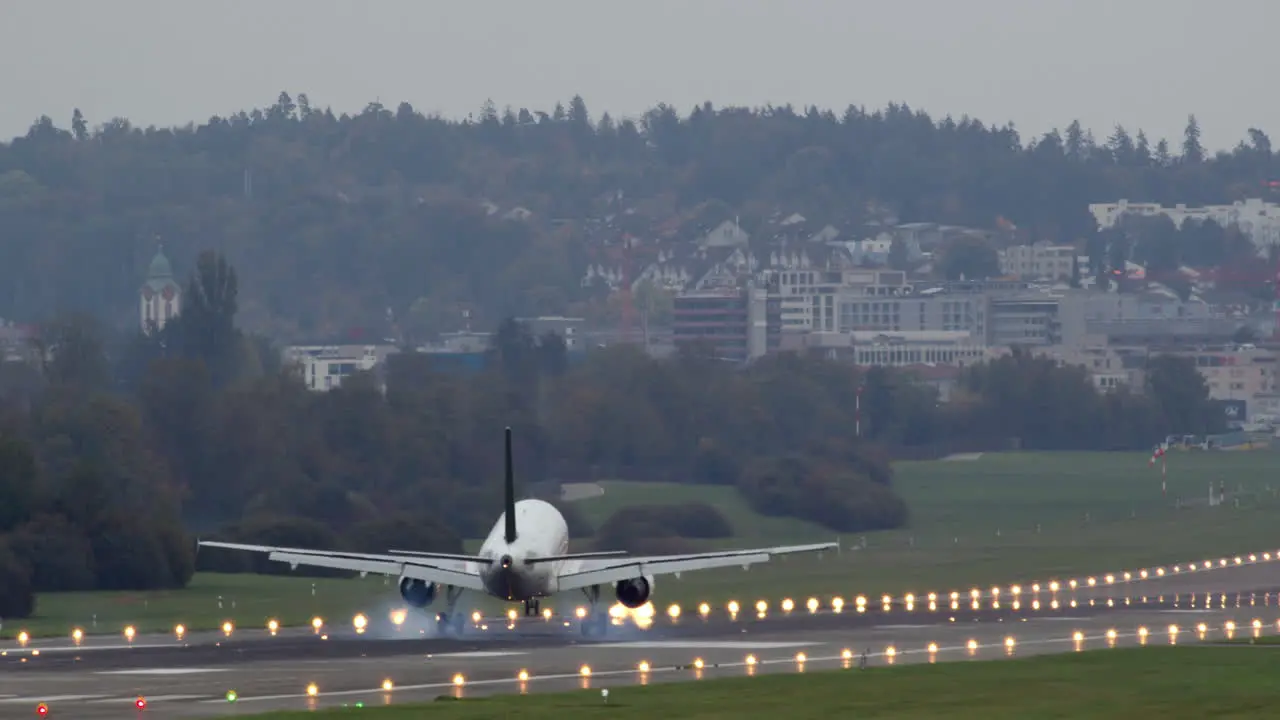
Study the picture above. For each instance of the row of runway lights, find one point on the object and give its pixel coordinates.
(643, 616)
(846, 658)
(645, 613)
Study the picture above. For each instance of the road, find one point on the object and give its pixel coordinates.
(190, 678)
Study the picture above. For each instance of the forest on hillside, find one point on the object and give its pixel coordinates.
(390, 221)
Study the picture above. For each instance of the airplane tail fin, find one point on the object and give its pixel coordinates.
(510, 492)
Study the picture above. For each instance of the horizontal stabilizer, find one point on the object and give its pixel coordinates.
(578, 556)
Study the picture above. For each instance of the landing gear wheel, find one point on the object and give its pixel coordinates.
(532, 608)
(450, 624)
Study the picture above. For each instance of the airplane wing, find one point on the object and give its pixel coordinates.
(603, 572)
(445, 569)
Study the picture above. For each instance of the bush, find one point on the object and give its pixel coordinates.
(127, 555)
(837, 498)
(17, 600)
(58, 554)
(697, 520)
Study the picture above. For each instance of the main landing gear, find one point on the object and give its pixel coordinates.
(596, 622)
(451, 621)
(532, 608)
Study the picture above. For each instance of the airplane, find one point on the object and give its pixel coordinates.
(525, 558)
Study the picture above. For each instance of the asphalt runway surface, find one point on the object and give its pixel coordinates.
(191, 678)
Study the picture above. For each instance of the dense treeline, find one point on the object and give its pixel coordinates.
(338, 219)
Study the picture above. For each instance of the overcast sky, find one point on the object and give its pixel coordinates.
(1040, 63)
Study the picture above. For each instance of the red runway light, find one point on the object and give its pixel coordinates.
(141, 703)
(42, 709)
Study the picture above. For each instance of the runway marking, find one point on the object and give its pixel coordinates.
(694, 645)
(1185, 612)
(1062, 619)
(477, 654)
(89, 648)
(161, 698)
(48, 699)
(901, 627)
(161, 671)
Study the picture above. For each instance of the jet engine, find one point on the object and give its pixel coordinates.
(635, 593)
(418, 593)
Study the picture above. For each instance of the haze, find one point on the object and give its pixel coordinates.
(1139, 63)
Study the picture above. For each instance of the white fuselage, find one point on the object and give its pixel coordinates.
(540, 532)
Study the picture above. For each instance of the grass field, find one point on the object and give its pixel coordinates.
(1006, 518)
(1175, 682)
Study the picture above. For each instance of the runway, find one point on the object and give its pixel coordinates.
(190, 679)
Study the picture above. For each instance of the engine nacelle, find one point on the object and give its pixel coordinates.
(635, 593)
(418, 593)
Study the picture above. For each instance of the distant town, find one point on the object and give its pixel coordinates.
(796, 284)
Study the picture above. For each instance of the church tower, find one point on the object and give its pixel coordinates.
(160, 298)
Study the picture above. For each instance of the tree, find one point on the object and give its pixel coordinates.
(1181, 396)
(969, 258)
(206, 328)
(16, 597)
(1192, 150)
(898, 257)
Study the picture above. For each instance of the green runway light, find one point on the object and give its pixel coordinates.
(231, 696)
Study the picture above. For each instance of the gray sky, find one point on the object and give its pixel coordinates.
(1039, 63)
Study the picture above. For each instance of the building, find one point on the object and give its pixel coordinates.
(912, 348)
(739, 324)
(1024, 319)
(1258, 220)
(160, 297)
(811, 299)
(1041, 260)
(1108, 367)
(1239, 373)
(569, 329)
(323, 367)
